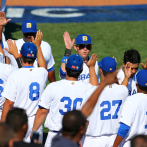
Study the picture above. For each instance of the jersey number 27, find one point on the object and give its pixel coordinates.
(108, 104)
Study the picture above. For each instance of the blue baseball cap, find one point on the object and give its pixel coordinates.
(29, 50)
(29, 26)
(83, 39)
(108, 64)
(75, 62)
(142, 78)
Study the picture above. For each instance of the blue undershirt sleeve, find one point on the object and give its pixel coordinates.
(123, 130)
(51, 69)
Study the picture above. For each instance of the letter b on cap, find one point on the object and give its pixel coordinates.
(29, 25)
(85, 38)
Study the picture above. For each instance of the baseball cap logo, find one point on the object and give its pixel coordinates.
(145, 84)
(77, 67)
(110, 69)
(73, 67)
(85, 38)
(29, 25)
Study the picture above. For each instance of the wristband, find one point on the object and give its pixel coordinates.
(19, 62)
(67, 52)
(64, 59)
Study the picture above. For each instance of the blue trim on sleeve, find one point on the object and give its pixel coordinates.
(28, 66)
(51, 69)
(62, 73)
(64, 59)
(123, 130)
(41, 107)
(2, 45)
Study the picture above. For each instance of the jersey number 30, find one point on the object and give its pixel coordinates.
(68, 105)
(108, 104)
(34, 91)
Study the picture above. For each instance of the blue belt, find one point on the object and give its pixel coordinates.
(53, 131)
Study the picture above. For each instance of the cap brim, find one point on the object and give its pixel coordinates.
(29, 31)
(99, 64)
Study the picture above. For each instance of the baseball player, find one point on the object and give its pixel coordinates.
(25, 86)
(29, 28)
(69, 96)
(103, 121)
(127, 72)
(133, 120)
(83, 47)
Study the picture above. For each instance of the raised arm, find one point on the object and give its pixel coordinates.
(68, 44)
(90, 104)
(91, 65)
(127, 71)
(37, 42)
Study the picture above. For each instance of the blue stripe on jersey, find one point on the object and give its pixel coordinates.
(28, 67)
(2, 45)
(62, 73)
(41, 107)
(51, 69)
(123, 130)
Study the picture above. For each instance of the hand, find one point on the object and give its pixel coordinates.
(3, 20)
(127, 70)
(115, 59)
(144, 66)
(12, 48)
(38, 38)
(111, 78)
(91, 62)
(67, 40)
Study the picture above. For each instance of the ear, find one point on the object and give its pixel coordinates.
(11, 141)
(20, 55)
(75, 47)
(82, 130)
(101, 71)
(124, 65)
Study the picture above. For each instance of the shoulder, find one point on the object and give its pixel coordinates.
(45, 44)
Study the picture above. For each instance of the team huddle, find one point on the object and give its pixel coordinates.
(81, 109)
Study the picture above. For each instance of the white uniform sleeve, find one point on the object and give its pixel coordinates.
(128, 112)
(10, 90)
(1, 58)
(47, 53)
(46, 98)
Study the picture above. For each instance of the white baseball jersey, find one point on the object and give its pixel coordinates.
(134, 114)
(60, 97)
(46, 50)
(132, 89)
(103, 120)
(85, 76)
(5, 71)
(25, 86)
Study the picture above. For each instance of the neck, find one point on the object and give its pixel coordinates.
(26, 64)
(68, 136)
(141, 91)
(71, 78)
(19, 136)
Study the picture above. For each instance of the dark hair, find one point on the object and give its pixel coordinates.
(134, 143)
(105, 73)
(28, 60)
(142, 88)
(6, 133)
(16, 118)
(132, 56)
(72, 73)
(72, 121)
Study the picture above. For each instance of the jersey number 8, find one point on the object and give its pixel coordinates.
(34, 91)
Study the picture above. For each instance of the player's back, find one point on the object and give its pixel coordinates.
(61, 97)
(25, 86)
(104, 118)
